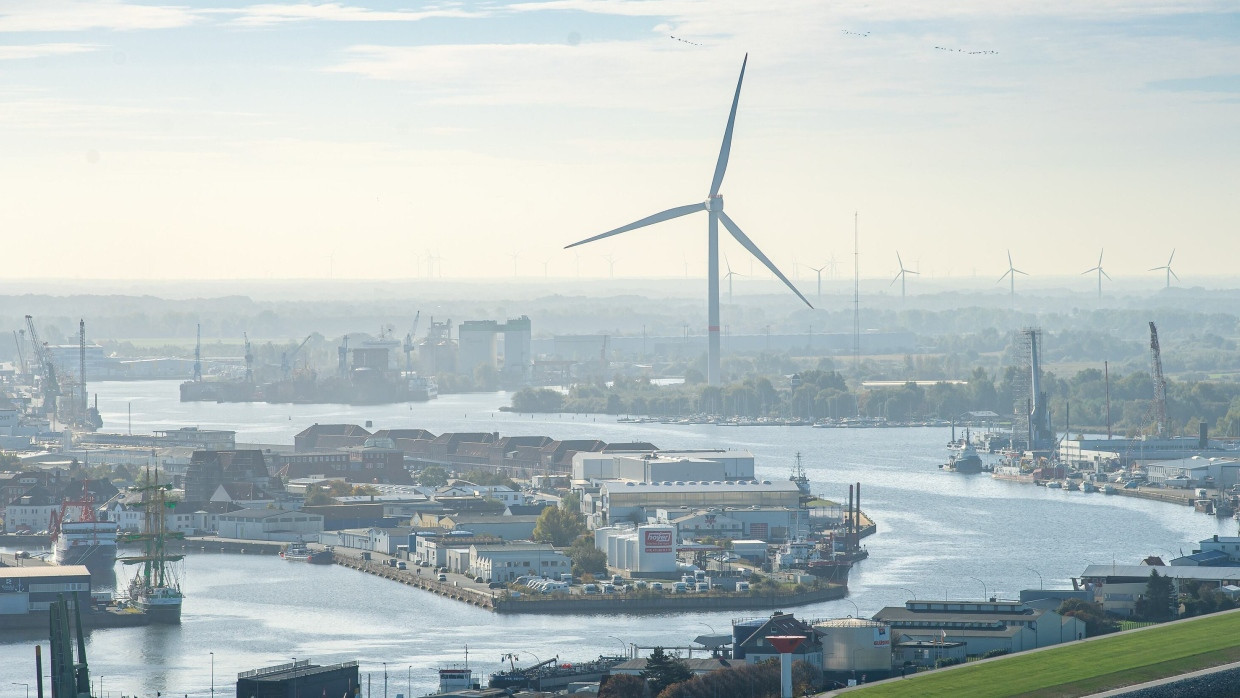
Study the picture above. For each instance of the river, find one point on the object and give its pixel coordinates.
(939, 535)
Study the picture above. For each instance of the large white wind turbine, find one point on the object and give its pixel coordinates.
(714, 208)
(1167, 266)
(1101, 272)
(901, 275)
(1010, 274)
(818, 271)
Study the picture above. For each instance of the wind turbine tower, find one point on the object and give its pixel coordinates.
(1101, 273)
(818, 271)
(1167, 266)
(901, 275)
(1011, 274)
(714, 209)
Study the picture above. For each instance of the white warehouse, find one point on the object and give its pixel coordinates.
(640, 550)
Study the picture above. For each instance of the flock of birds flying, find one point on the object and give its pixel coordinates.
(849, 32)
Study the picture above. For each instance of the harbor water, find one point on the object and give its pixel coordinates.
(940, 535)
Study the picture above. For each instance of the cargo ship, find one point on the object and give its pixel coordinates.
(300, 552)
(81, 537)
(552, 675)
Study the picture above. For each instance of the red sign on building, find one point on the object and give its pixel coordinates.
(658, 541)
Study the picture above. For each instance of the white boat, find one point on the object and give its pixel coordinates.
(80, 537)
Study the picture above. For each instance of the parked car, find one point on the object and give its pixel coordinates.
(496, 585)
(589, 589)
(680, 588)
(442, 577)
(656, 586)
(400, 565)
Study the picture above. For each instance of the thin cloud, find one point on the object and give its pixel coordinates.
(271, 14)
(80, 16)
(41, 50)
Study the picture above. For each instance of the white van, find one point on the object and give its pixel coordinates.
(589, 589)
(742, 586)
(680, 588)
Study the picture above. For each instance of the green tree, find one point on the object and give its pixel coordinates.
(433, 476)
(559, 526)
(663, 670)
(1156, 603)
(1096, 621)
(623, 686)
(586, 558)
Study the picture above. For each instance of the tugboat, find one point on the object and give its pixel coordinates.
(155, 590)
(818, 558)
(966, 461)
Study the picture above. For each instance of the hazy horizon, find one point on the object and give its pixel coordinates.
(360, 140)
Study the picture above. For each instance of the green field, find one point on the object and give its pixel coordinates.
(1086, 667)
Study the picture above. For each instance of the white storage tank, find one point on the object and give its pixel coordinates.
(855, 644)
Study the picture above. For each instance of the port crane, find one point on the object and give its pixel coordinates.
(21, 358)
(408, 346)
(286, 359)
(1160, 384)
(249, 359)
(198, 355)
(47, 367)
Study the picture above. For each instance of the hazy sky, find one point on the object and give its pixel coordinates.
(224, 139)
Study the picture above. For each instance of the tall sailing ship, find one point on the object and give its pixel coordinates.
(155, 588)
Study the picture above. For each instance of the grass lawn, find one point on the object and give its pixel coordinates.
(1087, 667)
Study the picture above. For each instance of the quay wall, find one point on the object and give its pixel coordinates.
(411, 578)
(224, 545)
(666, 602)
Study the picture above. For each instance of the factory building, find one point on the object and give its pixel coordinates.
(478, 345)
(639, 550)
(504, 563)
(637, 502)
(34, 588)
(658, 466)
(1197, 471)
(984, 626)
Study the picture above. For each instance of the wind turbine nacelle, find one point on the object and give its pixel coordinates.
(714, 203)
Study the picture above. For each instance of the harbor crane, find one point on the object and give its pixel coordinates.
(47, 368)
(249, 359)
(286, 359)
(21, 358)
(408, 345)
(1160, 384)
(198, 355)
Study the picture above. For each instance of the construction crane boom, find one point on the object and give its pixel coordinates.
(286, 360)
(51, 387)
(21, 358)
(409, 342)
(198, 355)
(1160, 384)
(249, 359)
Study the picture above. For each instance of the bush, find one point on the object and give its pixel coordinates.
(946, 662)
(997, 652)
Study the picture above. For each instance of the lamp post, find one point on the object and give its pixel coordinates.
(409, 682)
(15, 683)
(912, 594)
(1037, 573)
(212, 672)
(985, 594)
(385, 680)
(623, 647)
(857, 610)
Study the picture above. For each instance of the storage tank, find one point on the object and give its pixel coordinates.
(855, 644)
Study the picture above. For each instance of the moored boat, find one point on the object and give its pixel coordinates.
(155, 589)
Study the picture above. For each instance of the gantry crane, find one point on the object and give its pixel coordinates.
(286, 359)
(1160, 384)
(249, 359)
(47, 368)
(408, 346)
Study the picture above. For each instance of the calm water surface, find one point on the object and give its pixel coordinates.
(940, 535)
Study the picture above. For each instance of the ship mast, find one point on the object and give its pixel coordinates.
(155, 533)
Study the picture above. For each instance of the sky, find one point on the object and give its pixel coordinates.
(360, 140)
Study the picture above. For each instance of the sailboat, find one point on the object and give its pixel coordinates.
(155, 589)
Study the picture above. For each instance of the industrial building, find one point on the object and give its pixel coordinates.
(1195, 471)
(504, 563)
(34, 588)
(984, 626)
(855, 645)
(269, 524)
(300, 678)
(638, 502)
(478, 345)
(657, 466)
(1119, 587)
(641, 550)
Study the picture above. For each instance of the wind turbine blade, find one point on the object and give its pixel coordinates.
(1009, 259)
(1100, 258)
(1177, 278)
(1103, 272)
(910, 271)
(726, 149)
(648, 220)
(1171, 257)
(899, 261)
(1156, 268)
(893, 281)
(753, 250)
(1005, 275)
(1019, 271)
(1089, 271)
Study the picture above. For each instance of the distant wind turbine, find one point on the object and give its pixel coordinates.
(832, 264)
(714, 209)
(515, 256)
(729, 276)
(902, 275)
(1011, 273)
(611, 265)
(818, 271)
(1101, 272)
(1167, 266)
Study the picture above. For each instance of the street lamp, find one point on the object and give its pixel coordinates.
(15, 683)
(985, 594)
(912, 594)
(1037, 573)
(409, 682)
(385, 680)
(623, 647)
(212, 672)
(857, 610)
